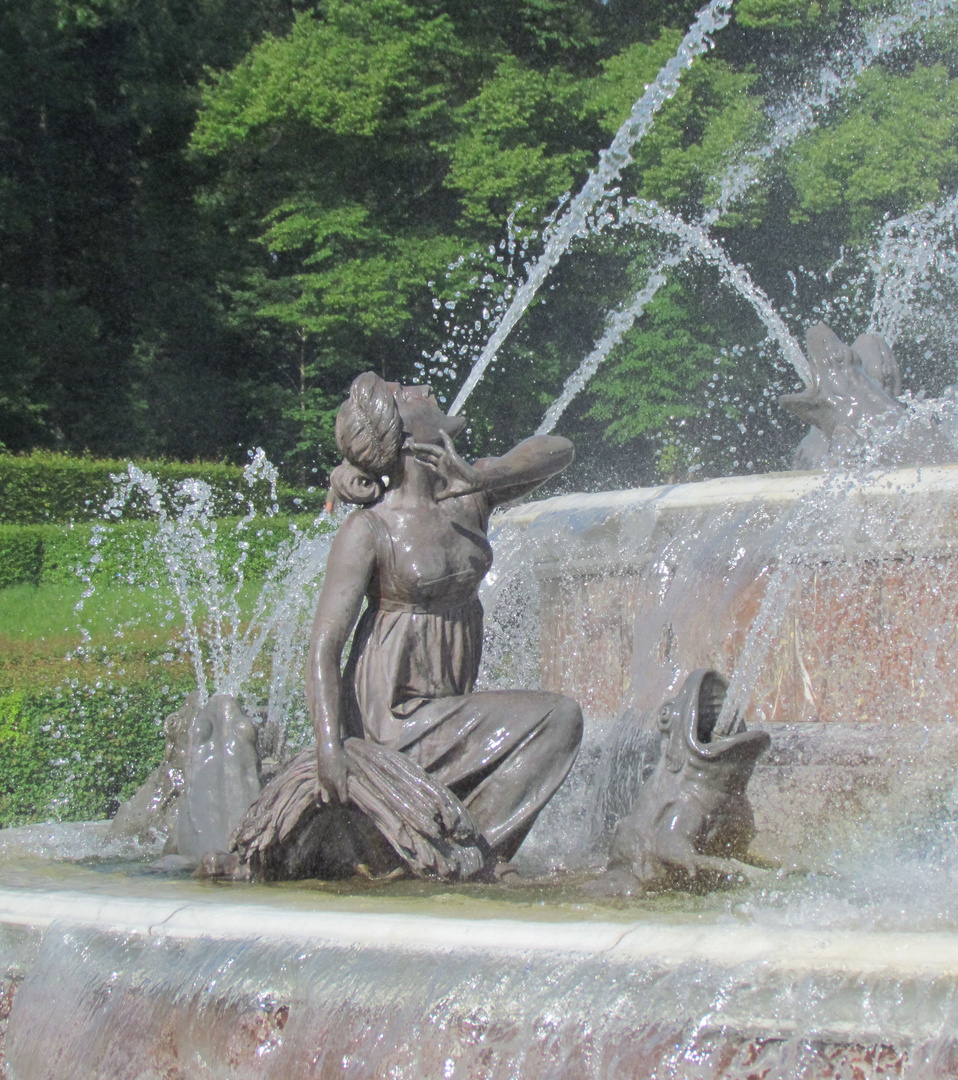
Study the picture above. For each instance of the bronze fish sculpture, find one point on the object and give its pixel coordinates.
(692, 823)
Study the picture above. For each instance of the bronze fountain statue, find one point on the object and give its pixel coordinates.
(413, 768)
(692, 823)
(853, 393)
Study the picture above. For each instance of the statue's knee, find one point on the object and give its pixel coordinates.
(566, 719)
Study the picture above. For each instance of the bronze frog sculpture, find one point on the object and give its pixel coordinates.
(692, 823)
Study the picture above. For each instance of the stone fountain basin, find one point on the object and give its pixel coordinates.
(103, 980)
(608, 565)
(857, 681)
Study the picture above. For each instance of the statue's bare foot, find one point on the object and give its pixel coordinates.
(615, 883)
(173, 864)
(708, 873)
(494, 871)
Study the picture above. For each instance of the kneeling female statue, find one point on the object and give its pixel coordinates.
(411, 764)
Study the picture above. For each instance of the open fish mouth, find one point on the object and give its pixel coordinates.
(704, 696)
(712, 691)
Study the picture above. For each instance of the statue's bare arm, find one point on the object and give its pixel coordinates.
(502, 479)
(351, 562)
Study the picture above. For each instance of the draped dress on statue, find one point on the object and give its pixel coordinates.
(408, 687)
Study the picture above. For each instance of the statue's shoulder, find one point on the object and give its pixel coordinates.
(365, 526)
(355, 548)
(355, 528)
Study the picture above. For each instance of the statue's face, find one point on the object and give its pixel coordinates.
(421, 416)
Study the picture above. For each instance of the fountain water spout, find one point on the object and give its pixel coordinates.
(851, 397)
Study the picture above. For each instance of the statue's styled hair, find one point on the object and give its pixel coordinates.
(369, 435)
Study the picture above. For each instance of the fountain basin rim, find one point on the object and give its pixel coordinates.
(850, 952)
(782, 487)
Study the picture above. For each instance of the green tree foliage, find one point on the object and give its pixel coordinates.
(361, 153)
(214, 214)
(511, 146)
(697, 135)
(893, 147)
(646, 386)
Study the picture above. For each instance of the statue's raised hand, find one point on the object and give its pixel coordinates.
(459, 477)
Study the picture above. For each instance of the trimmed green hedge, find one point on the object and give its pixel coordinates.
(44, 487)
(31, 554)
(21, 554)
(77, 756)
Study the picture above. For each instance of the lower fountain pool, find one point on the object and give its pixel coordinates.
(111, 971)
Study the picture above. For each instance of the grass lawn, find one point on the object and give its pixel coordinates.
(86, 681)
(83, 693)
(39, 612)
(40, 632)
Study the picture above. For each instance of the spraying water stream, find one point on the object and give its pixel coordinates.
(611, 163)
(788, 121)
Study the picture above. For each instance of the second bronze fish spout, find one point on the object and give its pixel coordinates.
(691, 826)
